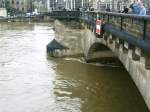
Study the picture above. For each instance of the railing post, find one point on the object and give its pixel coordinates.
(121, 23)
(92, 16)
(88, 15)
(103, 17)
(108, 18)
(144, 29)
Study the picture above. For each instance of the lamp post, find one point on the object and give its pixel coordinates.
(32, 5)
(82, 4)
(39, 6)
(48, 5)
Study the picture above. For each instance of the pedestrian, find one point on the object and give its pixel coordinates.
(125, 10)
(142, 10)
(136, 6)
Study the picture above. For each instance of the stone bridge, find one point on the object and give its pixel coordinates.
(126, 37)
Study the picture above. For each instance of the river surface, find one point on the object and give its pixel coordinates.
(31, 82)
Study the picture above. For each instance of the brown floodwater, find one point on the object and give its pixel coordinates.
(32, 82)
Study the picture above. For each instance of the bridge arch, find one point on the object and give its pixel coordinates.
(100, 52)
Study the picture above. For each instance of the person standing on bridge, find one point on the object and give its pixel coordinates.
(136, 6)
(142, 10)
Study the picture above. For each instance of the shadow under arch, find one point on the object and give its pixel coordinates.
(100, 53)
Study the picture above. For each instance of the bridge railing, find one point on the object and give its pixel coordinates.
(139, 26)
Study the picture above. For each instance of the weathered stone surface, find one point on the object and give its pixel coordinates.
(69, 37)
(85, 39)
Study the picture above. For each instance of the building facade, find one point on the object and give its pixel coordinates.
(112, 5)
(48, 5)
(41, 5)
(15, 6)
(19, 5)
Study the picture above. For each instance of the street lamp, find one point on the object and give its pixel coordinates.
(32, 5)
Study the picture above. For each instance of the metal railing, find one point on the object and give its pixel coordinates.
(139, 26)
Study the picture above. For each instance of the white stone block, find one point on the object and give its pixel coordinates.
(117, 40)
(142, 60)
(126, 45)
(138, 51)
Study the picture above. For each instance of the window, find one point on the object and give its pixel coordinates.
(17, 2)
(13, 2)
(8, 2)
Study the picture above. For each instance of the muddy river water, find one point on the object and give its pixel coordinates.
(32, 82)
